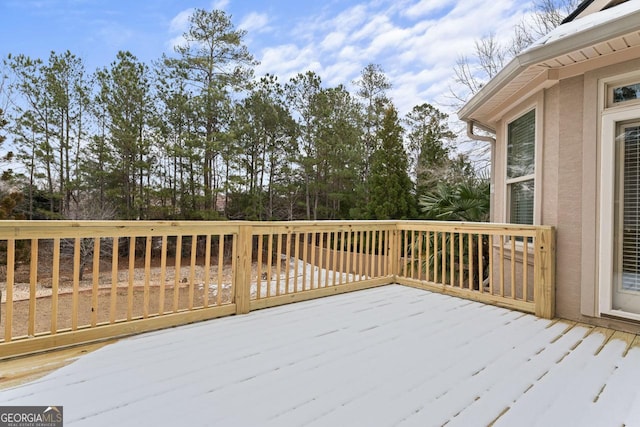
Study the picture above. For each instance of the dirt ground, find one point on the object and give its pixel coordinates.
(43, 309)
(85, 308)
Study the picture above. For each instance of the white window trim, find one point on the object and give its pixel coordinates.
(610, 115)
(537, 104)
(607, 85)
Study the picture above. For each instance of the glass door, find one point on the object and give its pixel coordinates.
(626, 230)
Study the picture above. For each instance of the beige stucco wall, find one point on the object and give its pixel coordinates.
(568, 169)
(567, 197)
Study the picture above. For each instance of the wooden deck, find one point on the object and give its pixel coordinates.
(380, 357)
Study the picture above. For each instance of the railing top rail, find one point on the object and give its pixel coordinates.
(473, 227)
(66, 229)
(320, 226)
(22, 229)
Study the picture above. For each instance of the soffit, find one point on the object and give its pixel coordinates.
(531, 69)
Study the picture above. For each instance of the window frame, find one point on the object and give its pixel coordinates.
(608, 85)
(535, 104)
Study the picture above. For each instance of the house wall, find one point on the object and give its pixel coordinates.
(569, 187)
(566, 170)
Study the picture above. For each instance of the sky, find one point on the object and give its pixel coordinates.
(415, 42)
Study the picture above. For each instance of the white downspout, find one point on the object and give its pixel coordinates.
(492, 141)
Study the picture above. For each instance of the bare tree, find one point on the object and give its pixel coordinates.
(87, 209)
(489, 56)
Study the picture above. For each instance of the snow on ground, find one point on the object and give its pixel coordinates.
(297, 277)
(386, 356)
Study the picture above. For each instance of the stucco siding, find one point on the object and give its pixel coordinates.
(569, 182)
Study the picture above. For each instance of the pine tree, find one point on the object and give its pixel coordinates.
(124, 90)
(212, 61)
(428, 134)
(391, 189)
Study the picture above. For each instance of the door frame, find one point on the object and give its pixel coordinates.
(606, 283)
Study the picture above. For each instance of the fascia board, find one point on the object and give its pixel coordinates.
(538, 54)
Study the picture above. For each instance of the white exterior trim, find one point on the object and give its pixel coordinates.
(537, 104)
(610, 117)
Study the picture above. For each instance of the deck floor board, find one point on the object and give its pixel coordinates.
(386, 356)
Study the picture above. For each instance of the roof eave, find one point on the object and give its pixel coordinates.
(538, 54)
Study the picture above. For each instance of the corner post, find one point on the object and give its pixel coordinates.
(242, 272)
(545, 273)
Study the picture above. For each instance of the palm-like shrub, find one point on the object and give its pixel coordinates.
(462, 201)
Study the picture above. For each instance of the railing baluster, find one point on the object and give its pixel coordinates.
(287, 265)
(114, 281)
(132, 269)
(313, 262)
(427, 261)
(320, 258)
(95, 279)
(470, 259)
(406, 253)
(480, 264)
(412, 256)
(176, 278)
(525, 269)
(54, 284)
(334, 251)
(163, 273)
(147, 277)
(341, 256)
(8, 308)
(192, 270)
(221, 249)
(76, 284)
(371, 253)
(378, 266)
(513, 266)
(278, 259)
(491, 264)
(461, 259)
(452, 261)
(296, 257)
(443, 257)
(258, 267)
(33, 281)
(501, 265)
(305, 259)
(269, 262)
(436, 257)
(348, 255)
(207, 271)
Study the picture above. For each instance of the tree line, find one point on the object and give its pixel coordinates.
(196, 135)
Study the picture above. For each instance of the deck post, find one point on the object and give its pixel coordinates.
(545, 273)
(242, 272)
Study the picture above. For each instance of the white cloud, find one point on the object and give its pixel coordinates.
(219, 4)
(426, 7)
(333, 40)
(180, 22)
(284, 61)
(254, 22)
(416, 42)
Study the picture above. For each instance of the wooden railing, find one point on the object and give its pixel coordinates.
(507, 265)
(69, 282)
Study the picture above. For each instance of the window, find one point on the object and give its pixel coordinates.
(626, 93)
(521, 143)
(621, 90)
